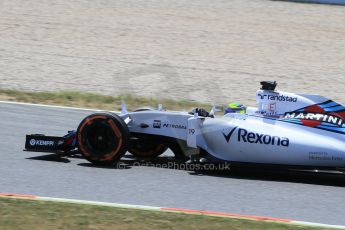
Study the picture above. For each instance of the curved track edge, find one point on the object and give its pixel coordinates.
(171, 210)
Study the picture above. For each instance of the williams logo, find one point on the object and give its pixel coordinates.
(157, 124)
(257, 138)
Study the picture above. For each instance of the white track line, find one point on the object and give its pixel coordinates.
(152, 208)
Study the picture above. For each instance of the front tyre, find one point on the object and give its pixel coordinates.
(103, 138)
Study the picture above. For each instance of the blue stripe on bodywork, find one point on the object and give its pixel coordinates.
(291, 120)
(334, 109)
(339, 130)
(332, 128)
(328, 125)
(329, 104)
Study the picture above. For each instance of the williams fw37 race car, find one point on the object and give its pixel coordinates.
(286, 129)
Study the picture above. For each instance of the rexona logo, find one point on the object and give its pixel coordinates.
(228, 137)
(257, 138)
(34, 142)
(278, 97)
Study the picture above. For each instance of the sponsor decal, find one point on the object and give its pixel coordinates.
(327, 118)
(157, 124)
(61, 142)
(277, 97)
(269, 109)
(34, 142)
(174, 126)
(228, 137)
(244, 135)
(191, 131)
(323, 156)
(272, 107)
(327, 115)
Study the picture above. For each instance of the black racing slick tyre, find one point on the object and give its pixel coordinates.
(144, 148)
(103, 138)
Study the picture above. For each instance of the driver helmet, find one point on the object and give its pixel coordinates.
(235, 108)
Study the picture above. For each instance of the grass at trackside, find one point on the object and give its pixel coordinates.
(97, 101)
(29, 214)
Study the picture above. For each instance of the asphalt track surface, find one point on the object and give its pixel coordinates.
(297, 196)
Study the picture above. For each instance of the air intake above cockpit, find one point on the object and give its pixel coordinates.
(268, 85)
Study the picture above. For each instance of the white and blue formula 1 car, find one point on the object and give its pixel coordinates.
(286, 129)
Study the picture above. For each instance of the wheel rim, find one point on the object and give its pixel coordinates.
(100, 139)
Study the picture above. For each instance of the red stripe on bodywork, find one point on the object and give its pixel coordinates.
(70, 140)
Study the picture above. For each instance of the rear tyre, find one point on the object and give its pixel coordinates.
(103, 138)
(144, 148)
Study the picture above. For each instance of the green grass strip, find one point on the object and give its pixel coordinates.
(96, 101)
(29, 214)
